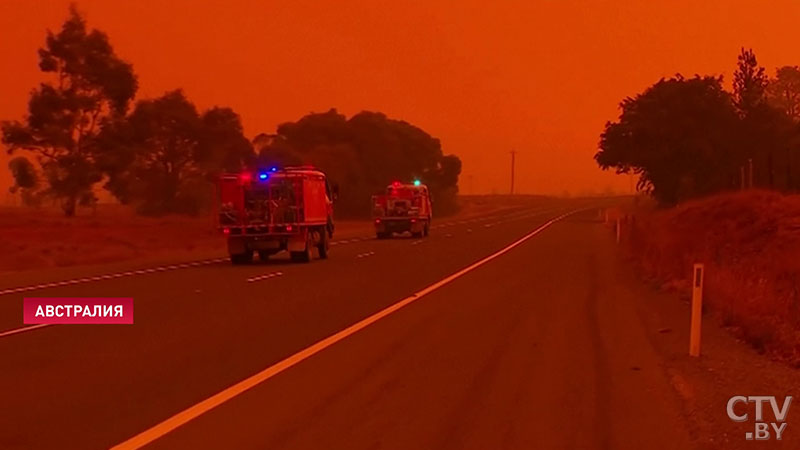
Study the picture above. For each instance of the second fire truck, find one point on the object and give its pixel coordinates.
(404, 207)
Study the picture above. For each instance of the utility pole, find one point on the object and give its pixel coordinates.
(513, 158)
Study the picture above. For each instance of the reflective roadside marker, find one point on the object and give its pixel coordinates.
(697, 310)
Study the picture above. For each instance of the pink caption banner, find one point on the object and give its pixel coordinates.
(78, 310)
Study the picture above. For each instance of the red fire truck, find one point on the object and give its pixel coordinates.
(267, 211)
(404, 207)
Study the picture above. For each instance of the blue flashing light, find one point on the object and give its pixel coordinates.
(273, 169)
(263, 176)
(417, 183)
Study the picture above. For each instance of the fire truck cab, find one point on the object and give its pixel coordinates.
(268, 211)
(404, 207)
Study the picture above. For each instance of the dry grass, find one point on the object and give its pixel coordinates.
(37, 238)
(750, 245)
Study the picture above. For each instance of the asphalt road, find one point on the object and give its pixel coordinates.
(538, 347)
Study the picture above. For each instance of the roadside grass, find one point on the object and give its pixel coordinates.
(750, 245)
(33, 238)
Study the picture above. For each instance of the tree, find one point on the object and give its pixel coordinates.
(783, 91)
(363, 154)
(91, 87)
(445, 183)
(164, 136)
(783, 94)
(749, 83)
(764, 130)
(163, 157)
(679, 136)
(26, 180)
(223, 146)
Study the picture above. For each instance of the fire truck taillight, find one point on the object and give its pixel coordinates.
(245, 177)
(288, 228)
(226, 231)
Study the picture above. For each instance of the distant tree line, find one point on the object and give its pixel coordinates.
(689, 137)
(162, 155)
(364, 154)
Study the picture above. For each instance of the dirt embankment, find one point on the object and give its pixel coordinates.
(750, 245)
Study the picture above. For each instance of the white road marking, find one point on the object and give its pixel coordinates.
(24, 329)
(265, 277)
(364, 255)
(417, 242)
(188, 265)
(223, 396)
(111, 276)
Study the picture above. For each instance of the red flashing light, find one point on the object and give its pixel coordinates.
(413, 220)
(396, 183)
(226, 231)
(288, 228)
(246, 177)
(377, 220)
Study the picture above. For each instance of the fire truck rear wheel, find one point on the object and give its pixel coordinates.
(427, 230)
(305, 255)
(264, 255)
(323, 245)
(242, 258)
(383, 235)
(300, 256)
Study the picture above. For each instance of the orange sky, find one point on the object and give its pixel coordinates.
(485, 77)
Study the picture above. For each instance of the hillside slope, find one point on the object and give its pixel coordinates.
(750, 245)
